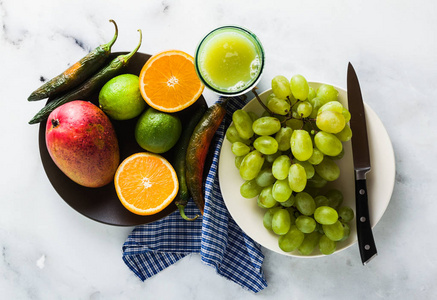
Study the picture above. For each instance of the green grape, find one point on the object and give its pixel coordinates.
(269, 97)
(344, 135)
(327, 92)
(305, 203)
(299, 87)
(283, 137)
(335, 198)
(268, 216)
(314, 192)
(332, 106)
(346, 214)
(346, 115)
(305, 224)
(309, 243)
(250, 189)
(281, 190)
(266, 145)
(253, 115)
(265, 198)
(346, 233)
(317, 157)
(301, 145)
(319, 228)
(294, 123)
(316, 103)
(297, 178)
(328, 143)
(266, 126)
(271, 158)
(232, 135)
(291, 240)
(280, 86)
(334, 232)
(328, 169)
(326, 245)
(309, 169)
(311, 94)
(330, 121)
(243, 123)
(281, 166)
(251, 165)
(316, 181)
(265, 177)
(293, 214)
(338, 156)
(281, 222)
(304, 109)
(321, 201)
(238, 160)
(240, 149)
(295, 115)
(289, 202)
(279, 106)
(325, 215)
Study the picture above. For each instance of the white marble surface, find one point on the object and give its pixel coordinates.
(49, 251)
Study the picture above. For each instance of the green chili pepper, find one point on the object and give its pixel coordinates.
(77, 73)
(89, 87)
(180, 158)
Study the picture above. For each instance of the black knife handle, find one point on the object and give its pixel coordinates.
(366, 243)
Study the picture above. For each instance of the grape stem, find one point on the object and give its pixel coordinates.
(289, 114)
(312, 125)
(260, 101)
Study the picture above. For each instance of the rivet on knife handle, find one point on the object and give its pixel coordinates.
(366, 242)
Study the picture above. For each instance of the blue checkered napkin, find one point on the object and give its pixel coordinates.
(222, 245)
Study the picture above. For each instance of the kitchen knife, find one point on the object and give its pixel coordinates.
(361, 158)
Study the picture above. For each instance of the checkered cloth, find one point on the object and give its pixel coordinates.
(222, 245)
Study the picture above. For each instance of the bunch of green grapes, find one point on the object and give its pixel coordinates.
(287, 156)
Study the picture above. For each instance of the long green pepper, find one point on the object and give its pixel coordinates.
(180, 161)
(77, 73)
(89, 87)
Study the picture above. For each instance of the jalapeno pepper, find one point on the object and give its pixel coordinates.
(77, 73)
(89, 87)
(180, 160)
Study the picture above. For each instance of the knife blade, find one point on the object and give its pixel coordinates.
(361, 159)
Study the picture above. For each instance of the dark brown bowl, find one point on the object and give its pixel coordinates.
(102, 204)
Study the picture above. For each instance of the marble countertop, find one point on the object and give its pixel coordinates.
(49, 251)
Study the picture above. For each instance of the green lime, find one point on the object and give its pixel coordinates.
(157, 131)
(120, 98)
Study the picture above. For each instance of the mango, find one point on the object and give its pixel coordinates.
(83, 144)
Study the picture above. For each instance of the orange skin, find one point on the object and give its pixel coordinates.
(82, 142)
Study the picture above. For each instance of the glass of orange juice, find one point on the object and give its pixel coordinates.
(229, 60)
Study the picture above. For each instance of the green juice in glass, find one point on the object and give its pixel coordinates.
(229, 60)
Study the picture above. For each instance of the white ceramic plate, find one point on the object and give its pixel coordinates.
(380, 181)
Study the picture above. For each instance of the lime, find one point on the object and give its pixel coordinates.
(120, 98)
(157, 131)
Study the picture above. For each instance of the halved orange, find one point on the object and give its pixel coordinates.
(146, 183)
(169, 82)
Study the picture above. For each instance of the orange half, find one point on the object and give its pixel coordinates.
(146, 183)
(169, 82)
